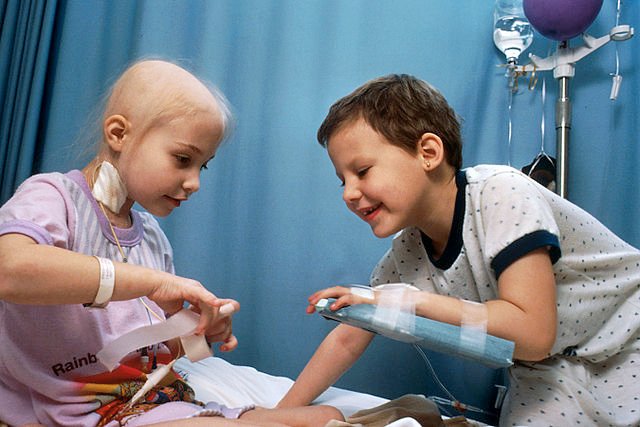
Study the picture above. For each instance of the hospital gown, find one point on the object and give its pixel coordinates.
(591, 374)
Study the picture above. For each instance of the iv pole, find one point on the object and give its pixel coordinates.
(562, 62)
(563, 127)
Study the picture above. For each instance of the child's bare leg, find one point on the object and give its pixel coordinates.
(216, 422)
(307, 416)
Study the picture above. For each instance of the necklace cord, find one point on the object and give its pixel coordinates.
(113, 232)
(125, 260)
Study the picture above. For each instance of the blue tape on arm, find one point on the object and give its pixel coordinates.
(431, 334)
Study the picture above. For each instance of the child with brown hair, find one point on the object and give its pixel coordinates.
(489, 244)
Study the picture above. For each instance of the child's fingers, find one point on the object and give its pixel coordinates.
(230, 343)
(315, 297)
(333, 292)
(344, 296)
(223, 332)
(227, 306)
(350, 299)
(341, 302)
(219, 329)
(206, 317)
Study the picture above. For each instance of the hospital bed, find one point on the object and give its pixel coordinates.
(214, 379)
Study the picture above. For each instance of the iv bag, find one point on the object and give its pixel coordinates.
(512, 32)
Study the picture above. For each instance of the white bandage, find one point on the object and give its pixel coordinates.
(109, 188)
(396, 307)
(473, 331)
(107, 283)
(362, 291)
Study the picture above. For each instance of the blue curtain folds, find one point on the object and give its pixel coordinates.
(268, 226)
(25, 45)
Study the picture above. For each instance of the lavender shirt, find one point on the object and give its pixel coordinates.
(46, 349)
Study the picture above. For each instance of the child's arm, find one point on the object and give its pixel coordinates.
(525, 311)
(60, 276)
(337, 353)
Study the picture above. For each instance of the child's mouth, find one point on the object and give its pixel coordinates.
(369, 213)
(175, 202)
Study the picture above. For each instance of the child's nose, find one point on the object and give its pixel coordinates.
(192, 183)
(350, 193)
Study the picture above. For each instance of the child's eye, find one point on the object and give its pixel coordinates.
(362, 172)
(183, 160)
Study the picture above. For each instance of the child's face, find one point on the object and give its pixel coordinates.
(161, 168)
(384, 185)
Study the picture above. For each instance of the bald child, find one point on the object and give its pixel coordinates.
(81, 267)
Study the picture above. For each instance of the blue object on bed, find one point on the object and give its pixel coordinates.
(493, 352)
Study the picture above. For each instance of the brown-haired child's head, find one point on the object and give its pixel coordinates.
(401, 108)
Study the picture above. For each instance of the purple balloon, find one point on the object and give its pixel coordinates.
(561, 19)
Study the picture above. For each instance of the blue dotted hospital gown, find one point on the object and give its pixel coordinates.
(591, 376)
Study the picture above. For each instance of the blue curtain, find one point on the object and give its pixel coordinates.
(25, 44)
(268, 226)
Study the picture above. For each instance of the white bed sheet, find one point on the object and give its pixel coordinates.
(215, 379)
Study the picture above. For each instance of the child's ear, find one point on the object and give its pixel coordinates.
(115, 130)
(431, 150)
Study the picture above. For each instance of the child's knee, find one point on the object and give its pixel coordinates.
(329, 413)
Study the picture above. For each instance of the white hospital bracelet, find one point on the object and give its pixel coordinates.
(107, 282)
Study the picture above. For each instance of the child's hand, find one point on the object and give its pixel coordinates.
(220, 329)
(173, 291)
(344, 296)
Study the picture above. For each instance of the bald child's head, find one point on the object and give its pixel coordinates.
(154, 92)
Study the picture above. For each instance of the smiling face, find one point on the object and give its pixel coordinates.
(384, 184)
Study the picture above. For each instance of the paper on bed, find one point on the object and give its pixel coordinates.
(438, 336)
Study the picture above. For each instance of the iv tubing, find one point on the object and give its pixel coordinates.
(452, 401)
